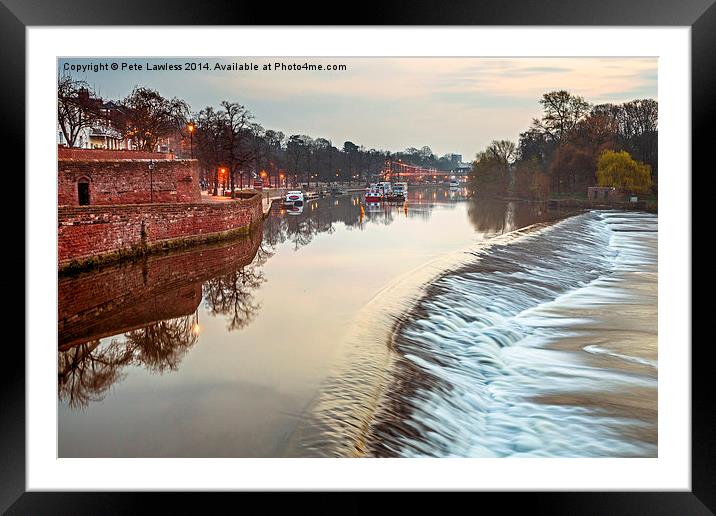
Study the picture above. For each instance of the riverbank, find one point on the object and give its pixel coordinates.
(88, 236)
(649, 205)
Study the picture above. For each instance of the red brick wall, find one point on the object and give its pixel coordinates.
(116, 181)
(118, 298)
(82, 154)
(85, 231)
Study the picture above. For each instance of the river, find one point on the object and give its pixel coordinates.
(451, 326)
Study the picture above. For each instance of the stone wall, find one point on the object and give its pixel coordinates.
(128, 181)
(83, 154)
(94, 232)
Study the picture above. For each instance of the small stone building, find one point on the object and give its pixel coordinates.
(124, 177)
(605, 194)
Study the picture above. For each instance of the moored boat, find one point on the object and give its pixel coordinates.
(293, 198)
(398, 192)
(373, 194)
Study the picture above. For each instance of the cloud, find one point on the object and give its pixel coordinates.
(450, 104)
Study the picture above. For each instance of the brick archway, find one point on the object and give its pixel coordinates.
(83, 191)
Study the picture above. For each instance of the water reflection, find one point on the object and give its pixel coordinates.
(86, 371)
(145, 313)
(183, 312)
(299, 225)
(232, 295)
(495, 217)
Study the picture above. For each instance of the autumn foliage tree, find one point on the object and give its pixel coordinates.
(565, 143)
(492, 169)
(621, 171)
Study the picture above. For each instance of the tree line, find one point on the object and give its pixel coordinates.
(231, 146)
(572, 146)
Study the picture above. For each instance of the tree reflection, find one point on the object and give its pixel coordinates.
(487, 215)
(145, 313)
(232, 294)
(322, 215)
(88, 370)
(86, 373)
(493, 216)
(161, 346)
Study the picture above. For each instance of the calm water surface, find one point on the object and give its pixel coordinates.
(273, 345)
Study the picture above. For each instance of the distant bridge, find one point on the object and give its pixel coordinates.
(397, 170)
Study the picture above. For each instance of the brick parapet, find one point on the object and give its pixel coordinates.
(87, 233)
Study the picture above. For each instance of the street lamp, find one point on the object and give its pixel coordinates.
(219, 179)
(191, 128)
(151, 180)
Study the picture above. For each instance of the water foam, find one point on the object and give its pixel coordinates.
(490, 362)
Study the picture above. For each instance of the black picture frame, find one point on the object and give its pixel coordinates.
(700, 15)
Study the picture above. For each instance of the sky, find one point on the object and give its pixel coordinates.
(452, 105)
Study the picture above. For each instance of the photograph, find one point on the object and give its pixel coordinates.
(357, 257)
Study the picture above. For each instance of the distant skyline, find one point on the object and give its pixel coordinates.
(452, 105)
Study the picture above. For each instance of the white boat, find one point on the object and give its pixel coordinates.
(294, 210)
(400, 190)
(294, 198)
(401, 186)
(373, 194)
(454, 184)
(385, 187)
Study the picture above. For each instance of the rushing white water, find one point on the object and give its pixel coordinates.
(543, 346)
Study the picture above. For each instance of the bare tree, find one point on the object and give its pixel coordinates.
(77, 109)
(209, 143)
(296, 148)
(238, 140)
(146, 117)
(275, 141)
(562, 112)
(504, 152)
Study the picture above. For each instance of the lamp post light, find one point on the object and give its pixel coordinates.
(219, 179)
(191, 128)
(151, 180)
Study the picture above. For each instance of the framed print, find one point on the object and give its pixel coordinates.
(368, 258)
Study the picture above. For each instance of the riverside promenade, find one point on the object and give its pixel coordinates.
(270, 195)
